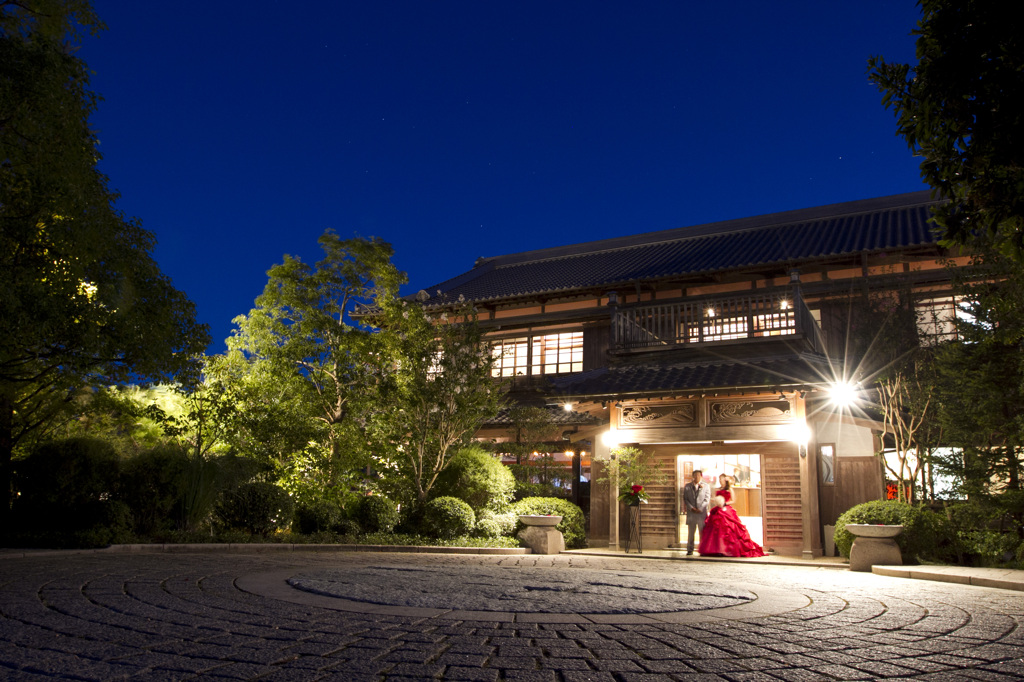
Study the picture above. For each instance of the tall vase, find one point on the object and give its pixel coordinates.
(634, 536)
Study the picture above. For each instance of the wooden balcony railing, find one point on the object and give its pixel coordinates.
(761, 315)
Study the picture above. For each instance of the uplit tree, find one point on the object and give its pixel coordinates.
(300, 343)
(437, 392)
(83, 301)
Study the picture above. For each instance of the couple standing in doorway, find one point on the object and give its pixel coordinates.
(721, 531)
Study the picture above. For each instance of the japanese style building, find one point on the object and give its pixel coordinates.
(713, 347)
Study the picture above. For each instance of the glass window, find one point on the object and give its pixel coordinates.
(510, 357)
(557, 353)
(827, 463)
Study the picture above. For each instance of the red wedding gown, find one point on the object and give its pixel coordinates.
(725, 535)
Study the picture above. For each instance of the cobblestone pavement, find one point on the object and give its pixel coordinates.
(204, 616)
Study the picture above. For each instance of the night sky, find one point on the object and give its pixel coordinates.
(240, 131)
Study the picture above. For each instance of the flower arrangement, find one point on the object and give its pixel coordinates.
(635, 495)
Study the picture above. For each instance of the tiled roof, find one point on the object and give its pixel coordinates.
(557, 416)
(663, 379)
(872, 225)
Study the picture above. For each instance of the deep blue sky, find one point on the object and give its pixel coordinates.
(240, 131)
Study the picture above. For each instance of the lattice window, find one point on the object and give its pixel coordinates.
(558, 353)
(510, 357)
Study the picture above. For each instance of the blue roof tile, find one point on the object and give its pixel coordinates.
(873, 225)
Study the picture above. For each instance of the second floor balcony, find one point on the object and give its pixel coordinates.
(754, 316)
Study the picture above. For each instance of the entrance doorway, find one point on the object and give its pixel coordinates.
(745, 471)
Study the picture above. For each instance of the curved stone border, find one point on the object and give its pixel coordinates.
(770, 602)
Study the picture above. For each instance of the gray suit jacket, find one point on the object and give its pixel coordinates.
(699, 499)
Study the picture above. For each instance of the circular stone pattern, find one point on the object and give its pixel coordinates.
(523, 590)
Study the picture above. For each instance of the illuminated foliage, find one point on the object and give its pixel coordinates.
(82, 300)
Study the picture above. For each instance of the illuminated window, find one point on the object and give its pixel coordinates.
(936, 318)
(776, 324)
(557, 353)
(510, 357)
(724, 328)
(547, 354)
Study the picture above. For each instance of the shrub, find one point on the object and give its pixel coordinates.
(506, 520)
(487, 528)
(448, 517)
(67, 495)
(478, 479)
(376, 514)
(259, 508)
(919, 539)
(572, 525)
(153, 485)
(349, 527)
(980, 533)
(316, 516)
(69, 472)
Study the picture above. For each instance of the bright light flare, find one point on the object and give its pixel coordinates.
(842, 394)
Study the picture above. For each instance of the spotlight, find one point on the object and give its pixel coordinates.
(842, 393)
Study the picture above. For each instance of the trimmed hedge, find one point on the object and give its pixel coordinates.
(316, 516)
(259, 508)
(487, 528)
(919, 539)
(572, 525)
(376, 514)
(448, 517)
(478, 479)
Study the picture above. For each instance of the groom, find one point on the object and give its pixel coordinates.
(696, 498)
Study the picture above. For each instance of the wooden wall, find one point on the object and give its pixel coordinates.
(858, 480)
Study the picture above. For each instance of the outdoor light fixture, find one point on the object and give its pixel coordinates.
(610, 438)
(567, 407)
(710, 312)
(842, 393)
(800, 434)
(784, 304)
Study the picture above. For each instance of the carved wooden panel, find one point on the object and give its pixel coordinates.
(749, 412)
(653, 416)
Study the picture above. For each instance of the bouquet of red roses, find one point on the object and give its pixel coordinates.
(635, 495)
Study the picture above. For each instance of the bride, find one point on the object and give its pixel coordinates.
(724, 534)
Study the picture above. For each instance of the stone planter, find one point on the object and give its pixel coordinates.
(540, 534)
(874, 545)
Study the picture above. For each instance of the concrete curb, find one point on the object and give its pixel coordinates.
(1000, 578)
(218, 547)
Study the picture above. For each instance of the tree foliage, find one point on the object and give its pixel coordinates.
(982, 384)
(961, 108)
(83, 301)
(303, 364)
(437, 391)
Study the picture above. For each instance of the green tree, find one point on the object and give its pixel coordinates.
(961, 108)
(438, 390)
(981, 386)
(631, 466)
(530, 428)
(83, 301)
(301, 338)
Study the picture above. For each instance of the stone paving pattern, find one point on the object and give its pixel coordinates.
(521, 589)
(157, 616)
